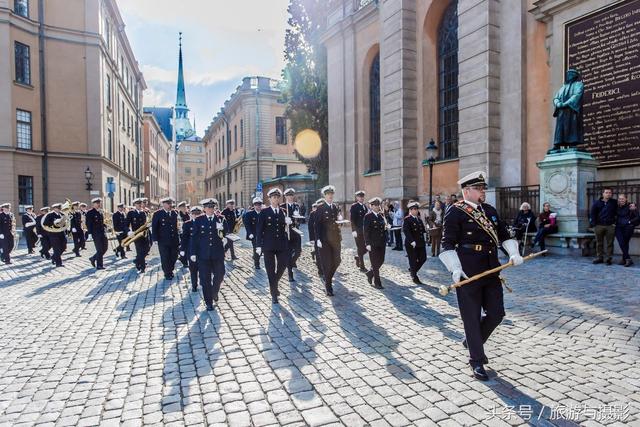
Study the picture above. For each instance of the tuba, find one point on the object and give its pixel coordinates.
(64, 223)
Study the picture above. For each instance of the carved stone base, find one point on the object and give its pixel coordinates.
(563, 183)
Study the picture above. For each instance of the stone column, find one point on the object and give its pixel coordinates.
(399, 106)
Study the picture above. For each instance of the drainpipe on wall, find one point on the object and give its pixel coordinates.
(43, 106)
(258, 138)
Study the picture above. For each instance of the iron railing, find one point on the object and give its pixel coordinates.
(628, 187)
(509, 199)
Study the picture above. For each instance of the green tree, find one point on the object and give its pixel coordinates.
(305, 78)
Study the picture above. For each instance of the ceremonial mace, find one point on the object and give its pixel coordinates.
(444, 290)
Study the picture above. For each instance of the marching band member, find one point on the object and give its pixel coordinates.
(328, 236)
(57, 240)
(250, 220)
(119, 221)
(414, 240)
(312, 235)
(75, 219)
(187, 230)
(292, 209)
(206, 247)
(271, 238)
(45, 243)
(6, 235)
(83, 235)
(96, 228)
(356, 215)
(471, 235)
(136, 218)
(374, 233)
(29, 227)
(164, 230)
(230, 215)
(183, 212)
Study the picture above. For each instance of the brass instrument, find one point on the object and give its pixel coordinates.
(180, 222)
(14, 232)
(83, 222)
(237, 226)
(64, 224)
(140, 232)
(107, 219)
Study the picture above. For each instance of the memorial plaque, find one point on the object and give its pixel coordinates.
(605, 47)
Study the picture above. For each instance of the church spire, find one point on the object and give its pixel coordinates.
(181, 118)
(181, 100)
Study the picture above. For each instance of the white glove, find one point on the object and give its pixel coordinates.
(368, 247)
(130, 233)
(511, 246)
(219, 226)
(287, 220)
(259, 251)
(340, 217)
(73, 230)
(192, 258)
(181, 253)
(30, 224)
(413, 244)
(452, 262)
(354, 234)
(1, 236)
(224, 241)
(250, 236)
(387, 227)
(319, 243)
(39, 235)
(57, 221)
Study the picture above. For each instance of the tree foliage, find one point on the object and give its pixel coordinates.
(305, 77)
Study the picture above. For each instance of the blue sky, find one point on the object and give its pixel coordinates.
(222, 41)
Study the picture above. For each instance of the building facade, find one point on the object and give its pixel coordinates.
(478, 77)
(248, 142)
(191, 168)
(156, 160)
(72, 103)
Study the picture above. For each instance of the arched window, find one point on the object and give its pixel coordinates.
(374, 115)
(448, 82)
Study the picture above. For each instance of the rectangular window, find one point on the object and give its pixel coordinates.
(23, 63)
(107, 91)
(281, 130)
(25, 190)
(187, 170)
(235, 138)
(21, 7)
(236, 175)
(241, 132)
(23, 130)
(223, 150)
(281, 170)
(109, 145)
(199, 172)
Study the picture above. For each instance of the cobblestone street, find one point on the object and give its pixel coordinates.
(84, 348)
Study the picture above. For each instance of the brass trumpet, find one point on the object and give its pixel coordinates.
(140, 232)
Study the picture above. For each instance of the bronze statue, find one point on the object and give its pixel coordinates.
(568, 112)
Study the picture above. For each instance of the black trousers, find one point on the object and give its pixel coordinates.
(184, 259)
(83, 239)
(211, 272)
(256, 257)
(330, 260)
(31, 238)
(142, 250)
(316, 258)
(275, 262)
(397, 235)
(168, 258)
(361, 248)
(295, 249)
(623, 236)
(6, 245)
(78, 238)
(485, 293)
(193, 271)
(58, 243)
(45, 246)
(119, 249)
(229, 247)
(417, 257)
(376, 255)
(102, 244)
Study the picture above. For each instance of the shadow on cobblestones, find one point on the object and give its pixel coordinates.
(62, 282)
(111, 284)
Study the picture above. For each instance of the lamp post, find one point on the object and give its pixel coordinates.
(432, 154)
(88, 175)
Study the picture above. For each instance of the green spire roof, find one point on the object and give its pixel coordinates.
(181, 100)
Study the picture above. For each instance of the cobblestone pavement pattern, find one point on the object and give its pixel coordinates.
(80, 348)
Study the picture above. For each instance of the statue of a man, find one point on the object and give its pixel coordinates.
(568, 112)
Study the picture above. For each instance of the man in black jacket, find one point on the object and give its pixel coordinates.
(96, 228)
(603, 220)
(292, 210)
(45, 244)
(136, 218)
(185, 246)
(76, 228)
(164, 231)
(328, 220)
(356, 216)
(626, 222)
(374, 234)
(29, 227)
(414, 240)
(312, 235)
(119, 221)
(6, 237)
(250, 220)
(58, 240)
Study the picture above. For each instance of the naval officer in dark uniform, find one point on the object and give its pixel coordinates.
(164, 231)
(96, 228)
(29, 227)
(250, 220)
(119, 221)
(55, 219)
(77, 234)
(207, 249)
(374, 228)
(271, 239)
(328, 236)
(45, 244)
(311, 226)
(472, 232)
(185, 245)
(230, 215)
(184, 215)
(415, 243)
(136, 218)
(356, 216)
(6, 228)
(292, 210)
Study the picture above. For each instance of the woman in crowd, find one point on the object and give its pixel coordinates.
(525, 221)
(546, 225)
(436, 216)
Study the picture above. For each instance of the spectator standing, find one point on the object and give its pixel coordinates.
(603, 220)
(546, 225)
(627, 220)
(398, 216)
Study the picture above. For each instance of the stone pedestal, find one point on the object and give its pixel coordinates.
(563, 183)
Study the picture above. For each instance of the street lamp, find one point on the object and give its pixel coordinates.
(432, 154)
(88, 175)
